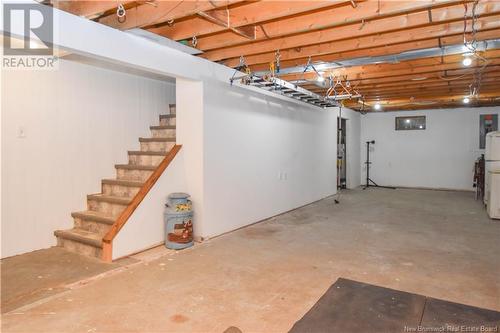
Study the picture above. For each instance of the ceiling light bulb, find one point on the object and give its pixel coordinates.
(377, 106)
(466, 100)
(320, 78)
(467, 61)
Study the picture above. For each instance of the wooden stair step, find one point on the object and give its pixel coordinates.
(162, 127)
(152, 153)
(157, 139)
(135, 167)
(81, 236)
(166, 116)
(110, 199)
(91, 215)
(123, 182)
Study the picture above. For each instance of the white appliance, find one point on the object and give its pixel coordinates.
(494, 199)
(492, 159)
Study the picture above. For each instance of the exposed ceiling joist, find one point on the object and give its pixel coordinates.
(430, 89)
(457, 96)
(89, 9)
(163, 11)
(436, 55)
(394, 70)
(324, 25)
(242, 14)
(223, 20)
(347, 38)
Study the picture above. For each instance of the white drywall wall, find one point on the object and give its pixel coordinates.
(189, 132)
(262, 157)
(79, 121)
(442, 156)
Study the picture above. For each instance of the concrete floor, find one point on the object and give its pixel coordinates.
(37, 275)
(265, 277)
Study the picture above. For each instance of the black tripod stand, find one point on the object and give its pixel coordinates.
(368, 163)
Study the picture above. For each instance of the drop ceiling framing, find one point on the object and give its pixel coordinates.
(332, 32)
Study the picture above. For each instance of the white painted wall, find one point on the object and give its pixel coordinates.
(250, 142)
(189, 132)
(442, 156)
(79, 121)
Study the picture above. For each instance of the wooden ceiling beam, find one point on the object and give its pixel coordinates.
(464, 90)
(493, 73)
(409, 106)
(436, 75)
(438, 93)
(244, 14)
(359, 53)
(378, 40)
(358, 30)
(422, 91)
(451, 74)
(162, 11)
(384, 50)
(406, 83)
(329, 18)
(423, 87)
(89, 9)
(391, 70)
(222, 20)
(426, 102)
(457, 97)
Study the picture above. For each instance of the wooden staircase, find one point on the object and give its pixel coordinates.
(103, 209)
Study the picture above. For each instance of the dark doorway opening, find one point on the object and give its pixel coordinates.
(341, 154)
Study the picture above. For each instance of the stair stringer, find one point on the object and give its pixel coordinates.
(145, 227)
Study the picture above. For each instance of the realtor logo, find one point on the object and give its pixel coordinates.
(34, 22)
(28, 30)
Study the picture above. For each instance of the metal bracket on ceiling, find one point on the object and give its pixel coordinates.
(121, 13)
(310, 65)
(341, 89)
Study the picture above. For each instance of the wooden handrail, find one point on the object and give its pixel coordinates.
(107, 240)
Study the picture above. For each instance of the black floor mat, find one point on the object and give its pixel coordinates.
(351, 306)
(454, 315)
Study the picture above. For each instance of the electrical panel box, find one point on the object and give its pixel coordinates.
(487, 123)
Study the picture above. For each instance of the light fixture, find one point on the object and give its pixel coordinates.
(466, 100)
(377, 106)
(408, 121)
(467, 61)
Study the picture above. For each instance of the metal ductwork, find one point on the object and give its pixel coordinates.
(393, 58)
